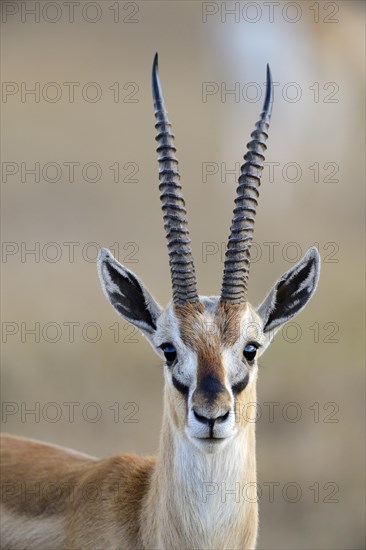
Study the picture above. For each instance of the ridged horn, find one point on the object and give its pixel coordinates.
(237, 260)
(175, 215)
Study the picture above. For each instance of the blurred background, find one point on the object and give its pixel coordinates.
(79, 172)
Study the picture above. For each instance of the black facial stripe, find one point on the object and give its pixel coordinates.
(179, 386)
(241, 385)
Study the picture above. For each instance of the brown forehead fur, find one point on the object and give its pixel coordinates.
(206, 335)
(195, 329)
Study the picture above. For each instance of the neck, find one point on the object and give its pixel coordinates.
(199, 499)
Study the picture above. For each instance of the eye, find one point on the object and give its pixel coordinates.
(170, 352)
(250, 351)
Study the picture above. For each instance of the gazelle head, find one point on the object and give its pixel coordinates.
(210, 344)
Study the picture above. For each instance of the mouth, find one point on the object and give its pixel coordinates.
(210, 442)
(211, 439)
(214, 435)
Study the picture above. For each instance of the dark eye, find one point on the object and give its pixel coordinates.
(250, 352)
(169, 352)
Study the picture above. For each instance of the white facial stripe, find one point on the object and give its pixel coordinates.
(186, 365)
(235, 369)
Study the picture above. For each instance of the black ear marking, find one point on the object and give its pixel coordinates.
(127, 294)
(291, 292)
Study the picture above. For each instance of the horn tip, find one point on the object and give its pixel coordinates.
(156, 61)
(156, 87)
(268, 101)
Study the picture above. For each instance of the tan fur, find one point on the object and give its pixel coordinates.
(93, 497)
(193, 324)
(206, 335)
(228, 318)
(190, 322)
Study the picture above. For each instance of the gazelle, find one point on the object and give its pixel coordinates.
(57, 498)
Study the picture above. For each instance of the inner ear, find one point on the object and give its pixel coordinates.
(291, 292)
(127, 293)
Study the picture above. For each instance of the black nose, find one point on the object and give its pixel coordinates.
(210, 420)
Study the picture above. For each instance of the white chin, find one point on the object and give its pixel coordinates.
(210, 445)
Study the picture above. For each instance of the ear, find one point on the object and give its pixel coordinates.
(291, 292)
(127, 294)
